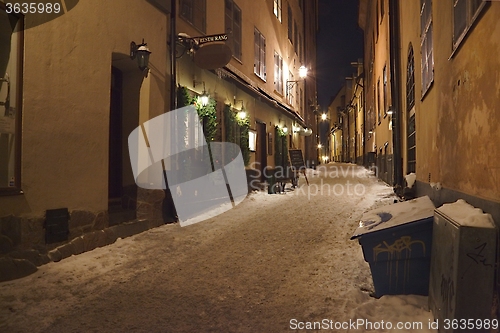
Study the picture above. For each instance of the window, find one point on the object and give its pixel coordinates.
(278, 73)
(290, 24)
(465, 13)
(259, 65)
(277, 9)
(289, 89)
(426, 44)
(11, 41)
(299, 47)
(295, 37)
(379, 106)
(410, 80)
(301, 102)
(233, 27)
(386, 102)
(382, 10)
(194, 11)
(410, 108)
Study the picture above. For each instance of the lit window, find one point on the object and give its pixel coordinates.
(10, 100)
(426, 44)
(277, 9)
(259, 65)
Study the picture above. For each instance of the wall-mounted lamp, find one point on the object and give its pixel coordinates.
(285, 129)
(141, 52)
(242, 114)
(390, 111)
(290, 84)
(204, 97)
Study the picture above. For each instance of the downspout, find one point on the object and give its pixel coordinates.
(395, 89)
(169, 211)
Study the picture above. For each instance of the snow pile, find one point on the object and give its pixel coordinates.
(410, 179)
(467, 215)
(396, 214)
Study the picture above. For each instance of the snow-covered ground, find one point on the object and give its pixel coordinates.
(275, 263)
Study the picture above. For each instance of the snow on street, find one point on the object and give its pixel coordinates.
(275, 263)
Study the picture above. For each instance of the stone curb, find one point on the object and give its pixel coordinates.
(19, 264)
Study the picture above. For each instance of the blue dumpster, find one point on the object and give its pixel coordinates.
(396, 242)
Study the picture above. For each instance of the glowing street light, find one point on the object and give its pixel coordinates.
(302, 71)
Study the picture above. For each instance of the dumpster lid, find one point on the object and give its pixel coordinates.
(394, 215)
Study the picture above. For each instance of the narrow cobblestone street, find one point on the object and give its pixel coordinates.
(252, 269)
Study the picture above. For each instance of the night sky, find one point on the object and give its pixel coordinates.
(339, 42)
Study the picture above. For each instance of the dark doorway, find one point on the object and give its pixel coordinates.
(121, 201)
(115, 172)
(261, 156)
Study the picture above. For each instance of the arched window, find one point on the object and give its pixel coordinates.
(410, 108)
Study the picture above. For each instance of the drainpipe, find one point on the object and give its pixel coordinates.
(169, 211)
(396, 89)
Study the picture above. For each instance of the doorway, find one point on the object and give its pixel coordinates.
(122, 199)
(261, 156)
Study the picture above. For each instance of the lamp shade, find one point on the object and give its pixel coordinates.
(142, 55)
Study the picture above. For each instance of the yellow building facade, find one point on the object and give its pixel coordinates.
(442, 98)
(70, 95)
(268, 40)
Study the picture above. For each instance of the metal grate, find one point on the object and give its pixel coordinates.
(56, 225)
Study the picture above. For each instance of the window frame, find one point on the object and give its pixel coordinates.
(277, 9)
(470, 20)
(229, 23)
(426, 46)
(195, 8)
(259, 66)
(385, 92)
(278, 73)
(378, 102)
(14, 188)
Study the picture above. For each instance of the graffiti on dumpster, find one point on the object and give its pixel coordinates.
(447, 295)
(478, 256)
(394, 252)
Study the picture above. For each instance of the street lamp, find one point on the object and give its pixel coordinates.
(141, 52)
(204, 97)
(291, 83)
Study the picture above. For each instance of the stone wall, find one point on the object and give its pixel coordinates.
(22, 239)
